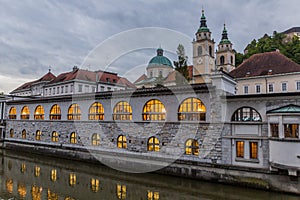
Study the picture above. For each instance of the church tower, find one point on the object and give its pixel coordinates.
(203, 53)
(225, 54)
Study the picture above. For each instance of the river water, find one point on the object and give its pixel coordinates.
(28, 176)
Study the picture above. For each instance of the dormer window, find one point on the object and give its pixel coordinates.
(108, 80)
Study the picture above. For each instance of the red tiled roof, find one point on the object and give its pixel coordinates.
(171, 77)
(141, 78)
(263, 63)
(127, 83)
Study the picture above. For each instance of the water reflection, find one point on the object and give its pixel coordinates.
(36, 178)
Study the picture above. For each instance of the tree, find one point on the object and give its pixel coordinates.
(182, 73)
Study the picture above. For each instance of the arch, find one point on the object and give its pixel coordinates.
(25, 113)
(192, 109)
(74, 112)
(191, 147)
(222, 60)
(210, 51)
(38, 135)
(12, 113)
(96, 139)
(24, 134)
(39, 112)
(154, 110)
(231, 59)
(11, 133)
(55, 113)
(246, 114)
(153, 144)
(122, 142)
(96, 111)
(199, 50)
(54, 136)
(73, 138)
(122, 111)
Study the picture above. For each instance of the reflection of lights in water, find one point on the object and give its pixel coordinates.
(9, 185)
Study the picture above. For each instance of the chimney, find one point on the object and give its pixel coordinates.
(270, 72)
(277, 50)
(75, 68)
(247, 74)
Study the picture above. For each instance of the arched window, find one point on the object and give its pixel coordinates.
(38, 135)
(222, 60)
(231, 60)
(73, 138)
(122, 142)
(121, 191)
(11, 133)
(200, 51)
(192, 147)
(96, 111)
(37, 171)
(192, 109)
(152, 195)
(94, 185)
(154, 110)
(53, 175)
(39, 112)
(72, 179)
(210, 51)
(55, 113)
(74, 112)
(25, 113)
(153, 144)
(12, 113)
(54, 136)
(160, 74)
(246, 114)
(95, 139)
(24, 134)
(122, 111)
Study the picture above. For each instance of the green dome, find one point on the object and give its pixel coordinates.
(160, 59)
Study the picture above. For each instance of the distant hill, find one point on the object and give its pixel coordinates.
(288, 45)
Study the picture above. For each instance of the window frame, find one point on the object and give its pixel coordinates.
(191, 109)
(122, 111)
(240, 149)
(96, 111)
(154, 110)
(122, 142)
(39, 113)
(241, 115)
(192, 147)
(55, 112)
(12, 113)
(54, 136)
(74, 112)
(153, 144)
(96, 139)
(25, 113)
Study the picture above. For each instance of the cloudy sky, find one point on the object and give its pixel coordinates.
(36, 34)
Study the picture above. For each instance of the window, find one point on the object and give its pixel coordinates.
(151, 74)
(240, 149)
(36, 192)
(298, 85)
(291, 130)
(253, 147)
(108, 88)
(12, 113)
(87, 89)
(96, 111)
(72, 179)
(93, 89)
(62, 89)
(11, 133)
(66, 89)
(72, 88)
(271, 87)
(284, 87)
(210, 51)
(55, 113)
(222, 60)
(37, 171)
(23, 167)
(257, 88)
(246, 89)
(57, 90)
(73, 138)
(246, 114)
(122, 142)
(191, 147)
(74, 112)
(94, 185)
(153, 144)
(192, 109)
(199, 50)
(38, 135)
(53, 91)
(22, 190)
(50, 89)
(122, 111)
(53, 175)
(54, 136)
(79, 88)
(274, 130)
(39, 112)
(9, 185)
(152, 195)
(121, 191)
(231, 59)
(154, 110)
(102, 88)
(95, 139)
(24, 134)
(25, 113)
(160, 74)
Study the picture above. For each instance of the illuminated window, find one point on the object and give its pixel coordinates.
(73, 138)
(53, 175)
(291, 130)
(274, 130)
(122, 142)
(96, 112)
(240, 149)
(122, 111)
(12, 113)
(23, 168)
(154, 110)
(74, 112)
(39, 112)
(37, 171)
(54, 136)
(153, 144)
(51, 195)
(38, 135)
(11, 133)
(153, 195)
(95, 139)
(36, 192)
(246, 114)
(121, 191)
(55, 113)
(72, 179)
(22, 190)
(9, 185)
(24, 134)
(192, 147)
(253, 150)
(25, 113)
(94, 185)
(192, 109)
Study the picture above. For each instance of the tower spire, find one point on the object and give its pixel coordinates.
(203, 25)
(225, 39)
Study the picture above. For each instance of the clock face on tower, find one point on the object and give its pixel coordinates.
(199, 61)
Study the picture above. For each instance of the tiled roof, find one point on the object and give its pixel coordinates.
(292, 30)
(265, 63)
(141, 78)
(286, 109)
